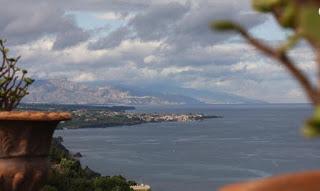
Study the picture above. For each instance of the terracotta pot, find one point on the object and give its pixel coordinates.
(304, 181)
(25, 139)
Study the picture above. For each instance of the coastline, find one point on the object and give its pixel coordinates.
(105, 116)
(67, 173)
(105, 119)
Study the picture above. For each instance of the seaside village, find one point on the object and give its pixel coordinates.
(141, 187)
(144, 117)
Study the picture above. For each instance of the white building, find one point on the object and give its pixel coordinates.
(141, 187)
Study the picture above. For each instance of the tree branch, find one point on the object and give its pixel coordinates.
(317, 52)
(284, 60)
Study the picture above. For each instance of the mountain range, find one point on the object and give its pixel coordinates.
(61, 91)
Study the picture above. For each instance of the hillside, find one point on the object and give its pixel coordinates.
(67, 92)
(61, 91)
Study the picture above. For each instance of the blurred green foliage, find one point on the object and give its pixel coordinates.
(302, 18)
(312, 125)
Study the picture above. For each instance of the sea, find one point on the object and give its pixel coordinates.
(249, 142)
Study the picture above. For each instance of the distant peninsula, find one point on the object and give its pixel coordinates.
(101, 119)
(85, 116)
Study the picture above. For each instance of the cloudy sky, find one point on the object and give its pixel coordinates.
(149, 42)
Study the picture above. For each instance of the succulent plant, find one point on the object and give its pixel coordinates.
(303, 19)
(14, 82)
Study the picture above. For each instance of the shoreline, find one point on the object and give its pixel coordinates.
(98, 116)
(67, 173)
(107, 119)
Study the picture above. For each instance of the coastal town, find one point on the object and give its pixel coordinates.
(86, 118)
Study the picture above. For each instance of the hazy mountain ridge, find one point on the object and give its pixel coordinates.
(67, 92)
(61, 91)
(203, 96)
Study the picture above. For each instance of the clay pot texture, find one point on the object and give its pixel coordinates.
(303, 181)
(25, 139)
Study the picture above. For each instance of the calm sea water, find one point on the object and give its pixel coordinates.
(249, 142)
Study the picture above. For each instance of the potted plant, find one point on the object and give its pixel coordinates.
(25, 137)
(302, 18)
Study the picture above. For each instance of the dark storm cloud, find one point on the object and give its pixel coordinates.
(70, 37)
(193, 29)
(159, 21)
(25, 21)
(156, 23)
(180, 24)
(28, 20)
(103, 5)
(183, 24)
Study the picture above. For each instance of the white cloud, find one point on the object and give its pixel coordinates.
(114, 16)
(151, 59)
(159, 41)
(109, 16)
(84, 77)
(177, 70)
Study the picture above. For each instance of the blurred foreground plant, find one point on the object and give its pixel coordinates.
(302, 18)
(13, 81)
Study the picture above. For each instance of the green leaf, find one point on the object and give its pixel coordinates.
(11, 59)
(291, 42)
(2, 93)
(312, 126)
(265, 5)
(288, 17)
(7, 78)
(2, 81)
(309, 23)
(316, 114)
(311, 129)
(224, 26)
(28, 81)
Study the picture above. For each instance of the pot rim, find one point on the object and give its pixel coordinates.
(34, 116)
(283, 181)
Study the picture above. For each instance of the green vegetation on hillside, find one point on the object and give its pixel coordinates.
(67, 174)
